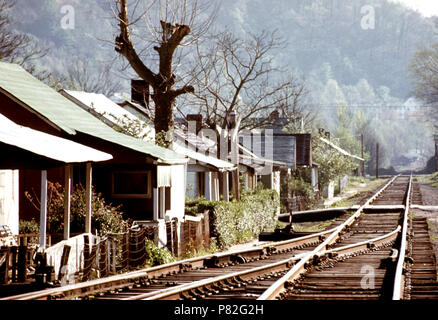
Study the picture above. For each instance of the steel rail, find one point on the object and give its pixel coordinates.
(118, 281)
(398, 279)
(127, 279)
(114, 280)
(280, 285)
(250, 274)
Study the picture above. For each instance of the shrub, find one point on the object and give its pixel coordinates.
(105, 217)
(29, 226)
(332, 164)
(239, 221)
(157, 256)
(298, 187)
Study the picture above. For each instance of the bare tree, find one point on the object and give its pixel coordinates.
(80, 78)
(15, 47)
(239, 76)
(158, 41)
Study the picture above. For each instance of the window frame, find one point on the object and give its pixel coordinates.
(146, 195)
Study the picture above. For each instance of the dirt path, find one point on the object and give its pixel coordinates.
(429, 196)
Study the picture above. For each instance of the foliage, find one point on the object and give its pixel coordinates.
(239, 221)
(157, 256)
(105, 217)
(162, 139)
(332, 164)
(366, 70)
(192, 252)
(424, 71)
(199, 205)
(29, 226)
(133, 127)
(299, 185)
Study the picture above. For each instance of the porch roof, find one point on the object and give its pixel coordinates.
(204, 159)
(27, 148)
(31, 93)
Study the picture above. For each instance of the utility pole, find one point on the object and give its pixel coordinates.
(377, 160)
(435, 137)
(363, 162)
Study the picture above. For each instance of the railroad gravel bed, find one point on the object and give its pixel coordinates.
(429, 196)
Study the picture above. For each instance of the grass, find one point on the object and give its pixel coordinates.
(433, 227)
(358, 184)
(430, 179)
(312, 226)
(192, 252)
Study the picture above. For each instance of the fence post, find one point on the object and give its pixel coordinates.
(22, 262)
(87, 265)
(4, 265)
(108, 254)
(142, 248)
(64, 262)
(114, 255)
(103, 253)
(125, 250)
(14, 266)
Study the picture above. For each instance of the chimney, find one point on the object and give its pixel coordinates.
(232, 120)
(140, 92)
(198, 119)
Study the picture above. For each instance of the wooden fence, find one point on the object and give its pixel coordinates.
(107, 255)
(14, 262)
(195, 233)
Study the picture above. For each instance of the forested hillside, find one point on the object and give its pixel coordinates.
(326, 46)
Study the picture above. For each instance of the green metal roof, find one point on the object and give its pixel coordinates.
(46, 145)
(51, 105)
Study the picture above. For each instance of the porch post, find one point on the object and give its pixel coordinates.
(208, 186)
(88, 198)
(43, 209)
(155, 201)
(67, 200)
(225, 186)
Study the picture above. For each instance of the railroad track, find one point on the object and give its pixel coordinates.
(180, 273)
(325, 265)
(356, 236)
(421, 271)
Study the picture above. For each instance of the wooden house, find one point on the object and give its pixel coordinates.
(147, 180)
(201, 170)
(25, 148)
(204, 167)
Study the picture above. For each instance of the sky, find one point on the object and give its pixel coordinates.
(426, 7)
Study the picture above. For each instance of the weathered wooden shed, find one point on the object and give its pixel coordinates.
(146, 179)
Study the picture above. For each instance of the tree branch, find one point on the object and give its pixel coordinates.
(124, 46)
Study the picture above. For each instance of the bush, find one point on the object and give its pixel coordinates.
(332, 164)
(157, 256)
(239, 221)
(105, 217)
(29, 226)
(298, 188)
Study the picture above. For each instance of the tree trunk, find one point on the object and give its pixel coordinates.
(164, 113)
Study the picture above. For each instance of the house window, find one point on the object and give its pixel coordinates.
(131, 184)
